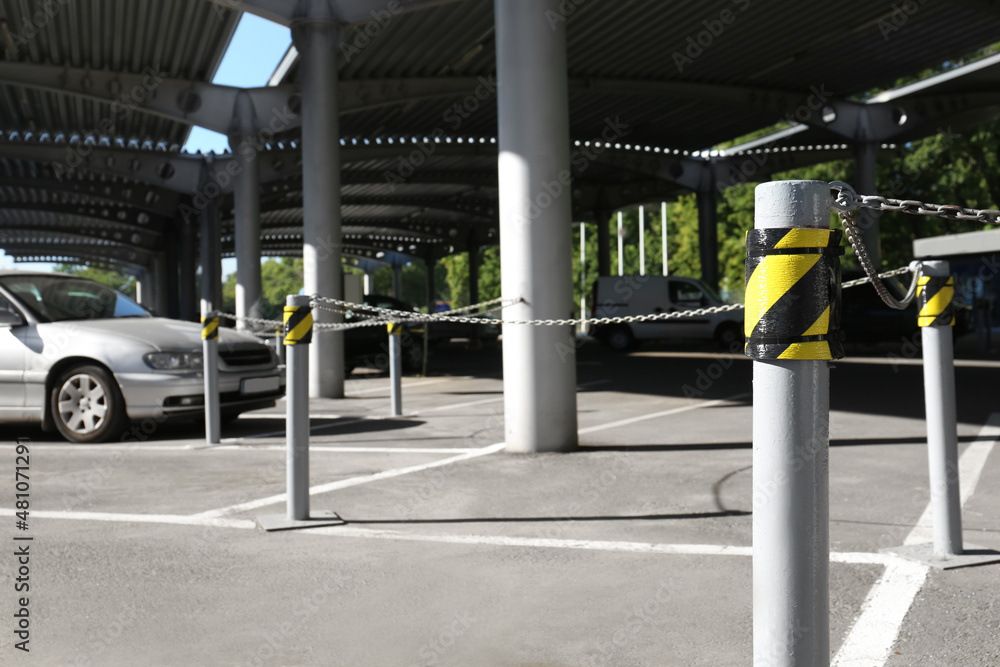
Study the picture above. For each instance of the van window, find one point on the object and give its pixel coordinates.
(686, 294)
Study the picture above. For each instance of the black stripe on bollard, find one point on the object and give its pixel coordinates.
(298, 325)
(793, 294)
(935, 306)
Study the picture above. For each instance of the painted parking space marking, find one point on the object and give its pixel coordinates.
(663, 413)
(353, 481)
(870, 641)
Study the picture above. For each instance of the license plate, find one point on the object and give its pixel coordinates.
(259, 385)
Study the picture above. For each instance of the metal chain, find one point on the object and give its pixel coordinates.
(847, 199)
(560, 322)
(888, 274)
(250, 320)
(844, 204)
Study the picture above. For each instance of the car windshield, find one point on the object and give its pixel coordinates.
(59, 299)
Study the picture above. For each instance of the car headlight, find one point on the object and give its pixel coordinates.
(174, 361)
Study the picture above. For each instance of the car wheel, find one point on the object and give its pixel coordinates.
(86, 404)
(727, 334)
(620, 339)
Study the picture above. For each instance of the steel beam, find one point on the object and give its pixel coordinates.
(208, 105)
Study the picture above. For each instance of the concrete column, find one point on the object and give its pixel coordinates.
(473, 273)
(188, 268)
(246, 201)
(158, 284)
(603, 242)
(397, 281)
(865, 153)
(140, 297)
(475, 339)
(708, 237)
(316, 37)
(429, 264)
(210, 257)
(539, 363)
(170, 273)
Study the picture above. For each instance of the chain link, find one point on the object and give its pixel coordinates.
(847, 199)
(250, 320)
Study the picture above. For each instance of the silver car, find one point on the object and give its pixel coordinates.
(86, 360)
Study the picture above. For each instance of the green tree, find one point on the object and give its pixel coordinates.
(114, 279)
(279, 278)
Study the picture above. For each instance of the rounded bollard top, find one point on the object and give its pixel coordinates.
(938, 268)
(792, 204)
(298, 300)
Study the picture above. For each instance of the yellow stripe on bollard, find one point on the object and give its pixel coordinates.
(394, 328)
(793, 294)
(934, 301)
(298, 325)
(210, 328)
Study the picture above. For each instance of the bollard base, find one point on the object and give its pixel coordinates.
(973, 554)
(273, 522)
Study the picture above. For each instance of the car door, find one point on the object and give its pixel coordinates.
(687, 295)
(12, 357)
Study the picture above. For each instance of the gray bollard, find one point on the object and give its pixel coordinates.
(791, 326)
(936, 317)
(210, 356)
(395, 330)
(298, 336)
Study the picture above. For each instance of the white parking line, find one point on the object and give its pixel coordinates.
(352, 481)
(663, 413)
(385, 388)
(358, 450)
(349, 531)
(871, 639)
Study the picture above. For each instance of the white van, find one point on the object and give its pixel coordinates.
(623, 296)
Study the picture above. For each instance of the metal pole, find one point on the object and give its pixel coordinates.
(791, 400)
(583, 276)
(708, 236)
(865, 154)
(298, 335)
(316, 37)
(210, 356)
(621, 246)
(246, 201)
(396, 367)
(536, 202)
(642, 240)
(936, 289)
(397, 281)
(663, 224)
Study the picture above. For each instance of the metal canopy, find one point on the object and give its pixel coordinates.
(652, 85)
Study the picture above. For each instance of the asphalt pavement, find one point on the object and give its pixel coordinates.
(633, 551)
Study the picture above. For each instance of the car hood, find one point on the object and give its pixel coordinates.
(158, 332)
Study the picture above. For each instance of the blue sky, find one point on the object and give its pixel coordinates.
(256, 49)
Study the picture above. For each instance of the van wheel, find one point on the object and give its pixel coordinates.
(620, 339)
(727, 334)
(86, 404)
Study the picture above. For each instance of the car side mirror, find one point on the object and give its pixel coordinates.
(9, 318)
